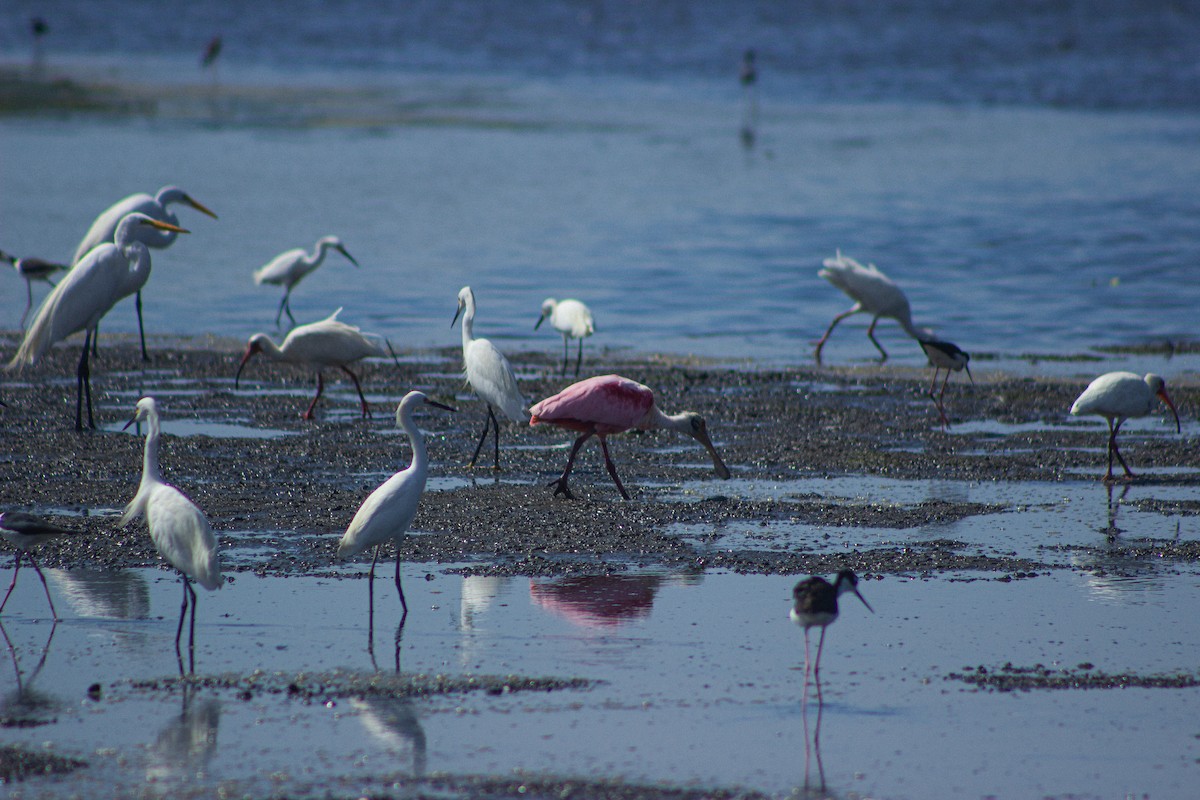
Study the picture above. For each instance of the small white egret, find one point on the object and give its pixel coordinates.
(26, 532)
(33, 269)
(610, 404)
(489, 375)
(85, 295)
(386, 514)
(317, 345)
(947, 356)
(1117, 396)
(178, 528)
(873, 293)
(288, 268)
(815, 603)
(573, 320)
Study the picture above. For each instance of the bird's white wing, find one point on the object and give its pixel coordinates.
(492, 378)
(182, 535)
(280, 268)
(385, 514)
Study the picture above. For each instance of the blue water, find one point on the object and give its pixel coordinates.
(1025, 171)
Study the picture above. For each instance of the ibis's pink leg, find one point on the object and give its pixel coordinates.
(11, 586)
(612, 468)
(365, 410)
(560, 485)
(320, 388)
(871, 335)
(833, 325)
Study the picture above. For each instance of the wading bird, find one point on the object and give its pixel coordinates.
(317, 345)
(489, 375)
(573, 320)
(178, 528)
(873, 293)
(386, 514)
(947, 356)
(33, 269)
(288, 268)
(1117, 396)
(815, 603)
(610, 404)
(104, 229)
(26, 532)
(85, 295)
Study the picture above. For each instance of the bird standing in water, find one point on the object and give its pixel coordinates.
(573, 320)
(33, 269)
(289, 267)
(947, 356)
(26, 532)
(1117, 396)
(815, 603)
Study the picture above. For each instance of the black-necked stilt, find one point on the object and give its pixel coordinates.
(1117, 396)
(947, 356)
(816, 604)
(33, 269)
(25, 532)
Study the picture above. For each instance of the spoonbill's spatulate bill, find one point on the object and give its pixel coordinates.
(872, 292)
(1118, 396)
(289, 267)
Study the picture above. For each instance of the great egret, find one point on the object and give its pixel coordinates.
(33, 269)
(873, 293)
(573, 320)
(489, 375)
(26, 532)
(1117, 396)
(947, 356)
(289, 267)
(611, 404)
(816, 604)
(86, 294)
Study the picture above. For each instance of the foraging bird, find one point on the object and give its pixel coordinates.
(212, 51)
(386, 514)
(26, 532)
(328, 343)
(611, 404)
(33, 269)
(489, 374)
(573, 320)
(288, 268)
(873, 293)
(947, 356)
(1117, 396)
(178, 528)
(104, 229)
(86, 294)
(815, 602)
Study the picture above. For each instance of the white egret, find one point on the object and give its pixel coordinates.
(873, 293)
(85, 295)
(27, 532)
(388, 511)
(610, 404)
(288, 268)
(33, 269)
(317, 345)
(489, 375)
(815, 603)
(573, 320)
(1117, 396)
(178, 528)
(947, 356)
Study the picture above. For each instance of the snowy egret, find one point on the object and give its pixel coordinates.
(573, 320)
(33, 269)
(288, 268)
(947, 356)
(873, 293)
(1117, 396)
(611, 404)
(388, 511)
(104, 229)
(26, 532)
(178, 528)
(816, 604)
(489, 374)
(86, 294)
(327, 343)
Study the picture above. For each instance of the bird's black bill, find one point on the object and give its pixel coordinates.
(436, 404)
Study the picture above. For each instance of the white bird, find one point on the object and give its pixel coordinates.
(27, 532)
(178, 528)
(573, 320)
(317, 345)
(33, 269)
(288, 268)
(872, 292)
(104, 229)
(386, 514)
(85, 295)
(489, 374)
(947, 356)
(1117, 396)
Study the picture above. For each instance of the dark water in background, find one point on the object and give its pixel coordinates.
(1026, 171)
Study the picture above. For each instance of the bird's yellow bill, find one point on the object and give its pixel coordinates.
(196, 204)
(164, 226)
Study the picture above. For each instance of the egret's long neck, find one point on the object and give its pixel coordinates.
(468, 324)
(420, 457)
(150, 472)
(138, 256)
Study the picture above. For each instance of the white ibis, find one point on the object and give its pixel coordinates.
(1117, 396)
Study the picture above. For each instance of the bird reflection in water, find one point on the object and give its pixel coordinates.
(1113, 506)
(182, 750)
(391, 718)
(598, 601)
(25, 707)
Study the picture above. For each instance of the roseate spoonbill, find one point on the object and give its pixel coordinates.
(947, 356)
(85, 295)
(1117, 396)
(327, 343)
(33, 269)
(388, 511)
(489, 375)
(872, 292)
(26, 532)
(104, 229)
(178, 528)
(288, 268)
(573, 320)
(610, 404)
(816, 604)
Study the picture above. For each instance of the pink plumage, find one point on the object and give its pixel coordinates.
(604, 404)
